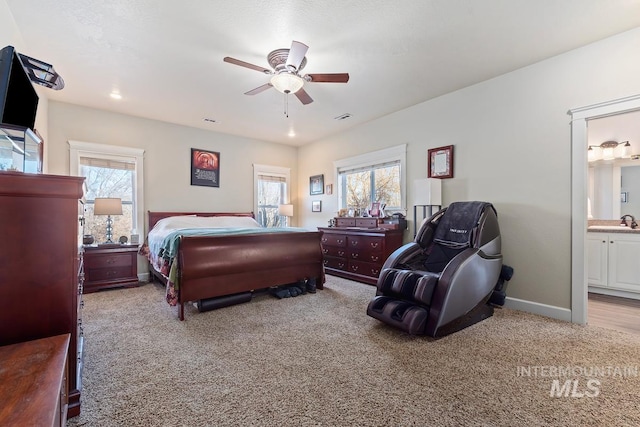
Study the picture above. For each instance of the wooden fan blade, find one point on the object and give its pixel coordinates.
(329, 78)
(246, 64)
(296, 54)
(259, 89)
(303, 96)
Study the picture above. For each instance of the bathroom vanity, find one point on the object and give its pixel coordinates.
(613, 255)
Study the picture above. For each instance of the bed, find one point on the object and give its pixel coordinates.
(203, 264)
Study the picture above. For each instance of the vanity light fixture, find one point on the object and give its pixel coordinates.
(609, 150)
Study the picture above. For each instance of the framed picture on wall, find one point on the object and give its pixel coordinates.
(440, 162)
(316, 184)
(316, 206)
(205, 168)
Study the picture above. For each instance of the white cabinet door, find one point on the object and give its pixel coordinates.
(597, 258)
(624, 261)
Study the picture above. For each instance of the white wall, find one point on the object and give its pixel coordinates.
(512, 148)
(167, 185)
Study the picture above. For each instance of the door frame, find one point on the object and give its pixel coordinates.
(579, 179)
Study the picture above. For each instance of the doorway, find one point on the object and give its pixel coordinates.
(579, 139)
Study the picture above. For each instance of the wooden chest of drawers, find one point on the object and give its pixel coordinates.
(110, 266)
(358, 253)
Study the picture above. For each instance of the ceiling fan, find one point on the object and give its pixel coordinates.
(285, 75)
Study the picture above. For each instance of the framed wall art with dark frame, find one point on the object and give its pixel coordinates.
(205, 168)
(316, 184)
(440, 162)
(316, 206)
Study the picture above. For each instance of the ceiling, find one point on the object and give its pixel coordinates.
(165, 57)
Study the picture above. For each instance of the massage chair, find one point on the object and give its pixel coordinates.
(448, 278)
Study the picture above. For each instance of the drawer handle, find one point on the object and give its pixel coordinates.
(340, 253)
(325, 240)
(341, 265)
(355, 255)
(325, 251)
(374, 244)
(325, 262)
(354, 267)
(375, 272)
(354, 243)
(374, 258)
(340, 241)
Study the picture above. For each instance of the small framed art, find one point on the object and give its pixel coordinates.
(375, 210)
(316, 184)
(440, 162)
(328, 189)
(205, 168)
(316, 206)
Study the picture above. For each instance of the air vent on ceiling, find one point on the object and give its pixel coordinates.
(343, 116)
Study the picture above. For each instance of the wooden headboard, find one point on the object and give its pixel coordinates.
(157, 216)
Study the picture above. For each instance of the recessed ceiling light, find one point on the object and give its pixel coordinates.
(209, 120)
(115, 95)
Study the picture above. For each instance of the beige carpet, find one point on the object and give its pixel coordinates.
(318, 360)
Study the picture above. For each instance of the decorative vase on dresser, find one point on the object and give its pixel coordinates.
(41, 265)
(356, 248)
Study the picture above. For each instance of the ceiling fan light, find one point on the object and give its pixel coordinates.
(287, 82)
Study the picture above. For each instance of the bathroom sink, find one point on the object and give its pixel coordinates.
(608, 227)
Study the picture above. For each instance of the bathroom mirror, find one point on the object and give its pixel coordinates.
(614, 189)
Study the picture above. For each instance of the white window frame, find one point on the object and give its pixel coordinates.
(273, 171)
(78, 149)
(391, 154)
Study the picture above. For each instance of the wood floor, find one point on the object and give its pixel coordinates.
(617, 313)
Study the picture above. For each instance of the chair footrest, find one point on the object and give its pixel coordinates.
(404, 315)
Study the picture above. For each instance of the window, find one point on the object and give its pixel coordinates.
(372, 177)
(271, 185)
(110, 171)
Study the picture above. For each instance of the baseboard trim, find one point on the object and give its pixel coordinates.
(539, 308)
(614, 292)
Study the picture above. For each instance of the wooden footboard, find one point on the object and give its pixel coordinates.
(224, 265)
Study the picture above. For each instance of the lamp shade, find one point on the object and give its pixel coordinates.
(427, 191)
(285, 210)
(107, 206)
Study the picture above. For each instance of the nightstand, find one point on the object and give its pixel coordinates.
(110, 266)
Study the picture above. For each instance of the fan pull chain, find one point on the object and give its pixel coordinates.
(286, 105)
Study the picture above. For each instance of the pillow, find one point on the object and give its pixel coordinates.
(192, 221)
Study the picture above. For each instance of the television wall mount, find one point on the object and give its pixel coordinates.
(41, 73)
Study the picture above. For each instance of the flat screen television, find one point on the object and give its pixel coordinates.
(18, 97)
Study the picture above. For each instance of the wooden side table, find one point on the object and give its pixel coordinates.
(110, 266)
(34, 379)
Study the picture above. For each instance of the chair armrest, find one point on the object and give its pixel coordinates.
(402, 255)
(466, 281)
